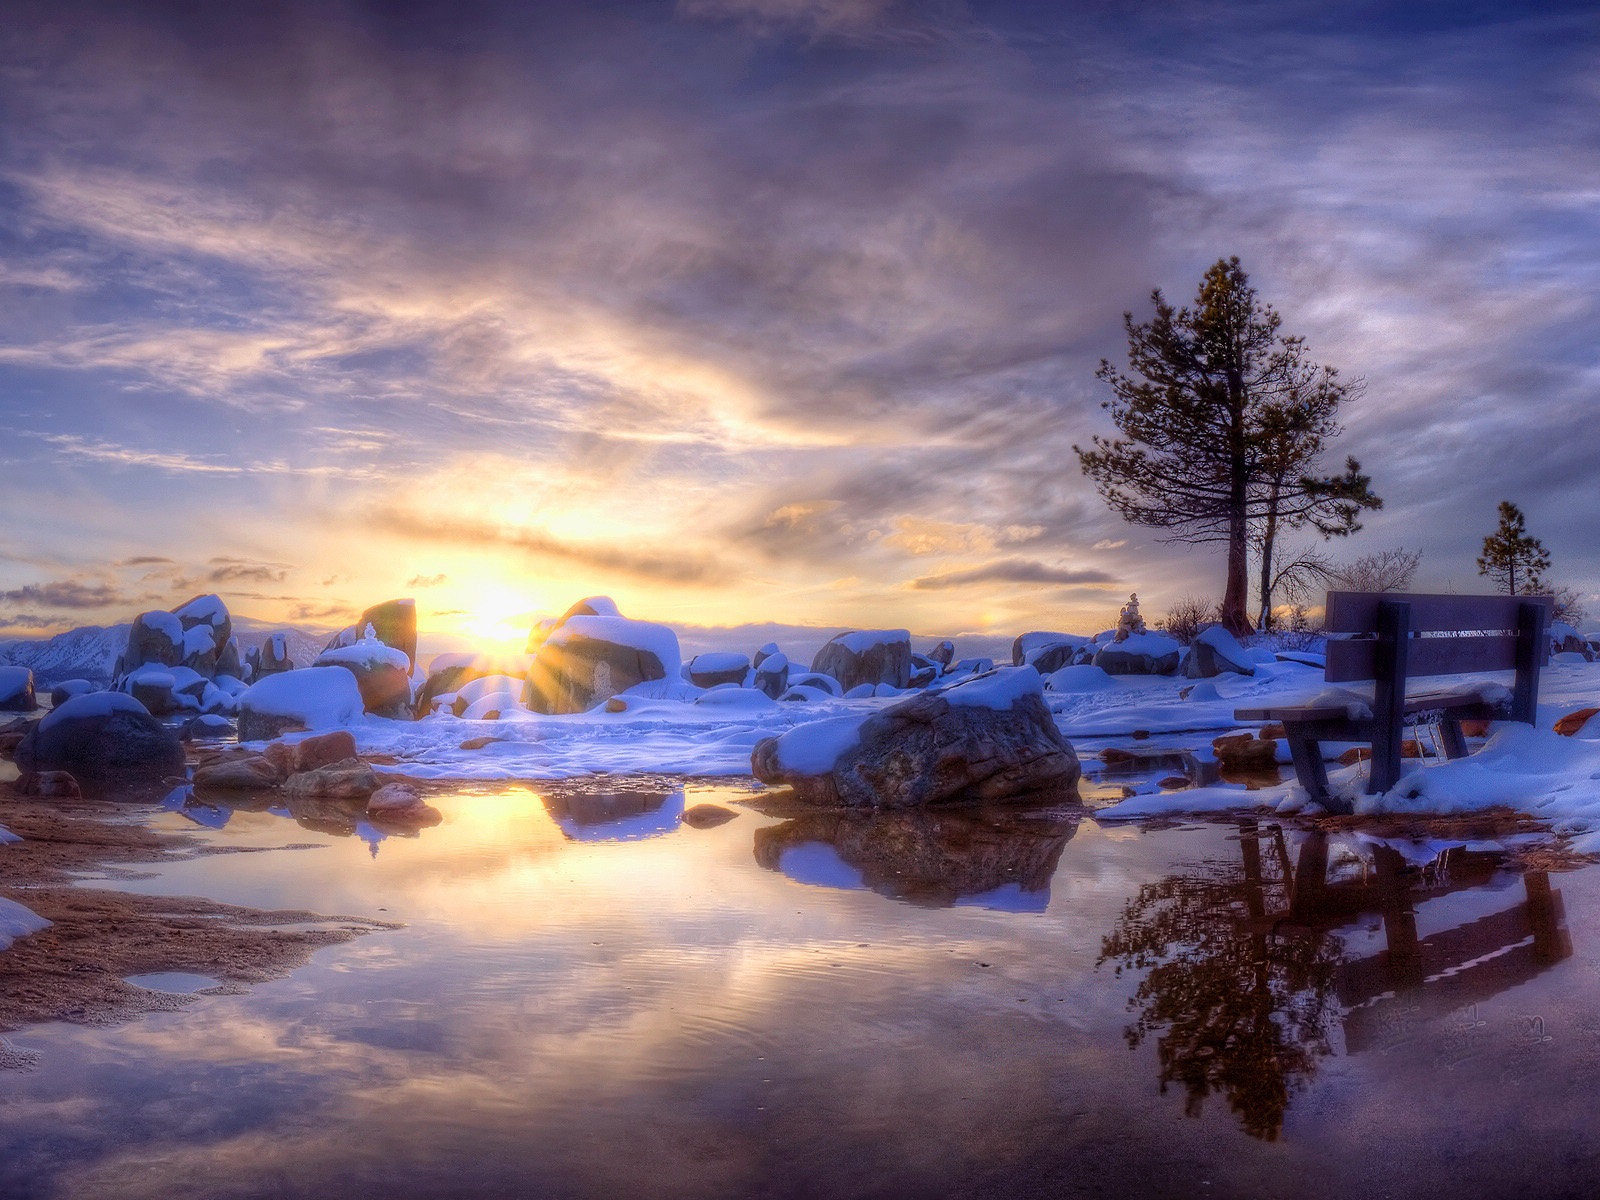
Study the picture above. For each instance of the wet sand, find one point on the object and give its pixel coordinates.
(76, 969)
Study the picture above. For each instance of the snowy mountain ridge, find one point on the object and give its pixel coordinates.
(90, 652)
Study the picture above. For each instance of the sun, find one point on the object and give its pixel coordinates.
(496, 616)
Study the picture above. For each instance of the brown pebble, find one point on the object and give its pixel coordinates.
(614, 705)
(1174, 782)
(478, 743)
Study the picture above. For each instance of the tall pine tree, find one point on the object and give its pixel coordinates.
(1223, 416)
(1514, 559)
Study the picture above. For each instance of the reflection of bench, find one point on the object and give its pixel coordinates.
(1388, 638)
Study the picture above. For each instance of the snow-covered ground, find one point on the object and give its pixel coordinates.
(677, 729)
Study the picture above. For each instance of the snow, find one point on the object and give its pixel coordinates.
(14, 681)
(198, 640)
(7, 836)
(1082, 678)
(92, 705)
(997, 690)
(17, 921)
(318, 697)
(209, 610)
(368, 652)
(1036, 641)
(814, 748)
(1156, 645)
(862, 640)
(716, 663)
(647, 636)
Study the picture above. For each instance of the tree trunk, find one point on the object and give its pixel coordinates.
(1269, 535)
(1234, 597)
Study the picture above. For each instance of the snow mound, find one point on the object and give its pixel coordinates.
(17, 921)
(94, 704)
(317, 697)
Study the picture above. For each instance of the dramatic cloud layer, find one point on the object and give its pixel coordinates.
(751, 310)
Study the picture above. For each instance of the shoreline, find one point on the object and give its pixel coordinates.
(75, 969)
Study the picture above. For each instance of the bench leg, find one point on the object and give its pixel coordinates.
(1385, 761)
(1455, 746)
(1308, 766)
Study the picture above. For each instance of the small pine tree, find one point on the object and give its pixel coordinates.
(1511, 557)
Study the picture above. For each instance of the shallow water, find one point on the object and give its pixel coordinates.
(591, 998)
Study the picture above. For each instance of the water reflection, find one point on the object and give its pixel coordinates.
(1246, 978)
(337, 817)
(997, 859)
(620, 816)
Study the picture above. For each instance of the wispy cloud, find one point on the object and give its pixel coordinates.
(1012, 571)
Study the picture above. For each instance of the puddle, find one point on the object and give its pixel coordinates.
(178, 983)
(853, 1005)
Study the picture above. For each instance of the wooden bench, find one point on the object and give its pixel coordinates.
(1389, 637)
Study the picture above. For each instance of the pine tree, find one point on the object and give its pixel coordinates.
(1512, 558)
(1223, 416)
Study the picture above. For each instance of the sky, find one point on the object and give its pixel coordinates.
(750, 311)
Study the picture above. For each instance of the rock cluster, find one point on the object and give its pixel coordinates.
(990, 738)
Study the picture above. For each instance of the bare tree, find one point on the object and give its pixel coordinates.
(1384, 571)
(1188, 616)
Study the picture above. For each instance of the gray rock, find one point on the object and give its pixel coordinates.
(709, 670)
(588, 659)
(104, 738)
(1139, 654)
(772, 674)
(867, 656)
(16, 690)
(1213, 651)
(932, 748)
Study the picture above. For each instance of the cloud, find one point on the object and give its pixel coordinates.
(66, 593)
(426, 581)
(246, 573)
(684, 567)
(1012, 570)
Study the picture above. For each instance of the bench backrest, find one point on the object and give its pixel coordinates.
(1457, 633)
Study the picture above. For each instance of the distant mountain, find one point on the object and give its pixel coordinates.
(91, 652)
(86, 653)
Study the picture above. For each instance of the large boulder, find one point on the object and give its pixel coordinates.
(16, 690)
(104, 738)
(271, 657)
(1213, 651)
(708, 670)
(1140, 654)
(772, 674)
(394, 623)
(588, 659)
(382, 672)
(1027, 645)
(589, 606)
(988, 738)
(311, 698)
(867, 656)
(153, 637)
(206, 631)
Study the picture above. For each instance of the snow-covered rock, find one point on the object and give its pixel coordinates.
(311, 698)
(708, 670)
(394, 623)
(867, 656)
(16, 690)
(587, 659)
(1213, 651)
(1140, 654)
(382, 672)
(102, 738)
(988, 738)
(68, 688)
(772, 673)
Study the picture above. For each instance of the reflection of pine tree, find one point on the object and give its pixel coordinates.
(1240, 1005)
